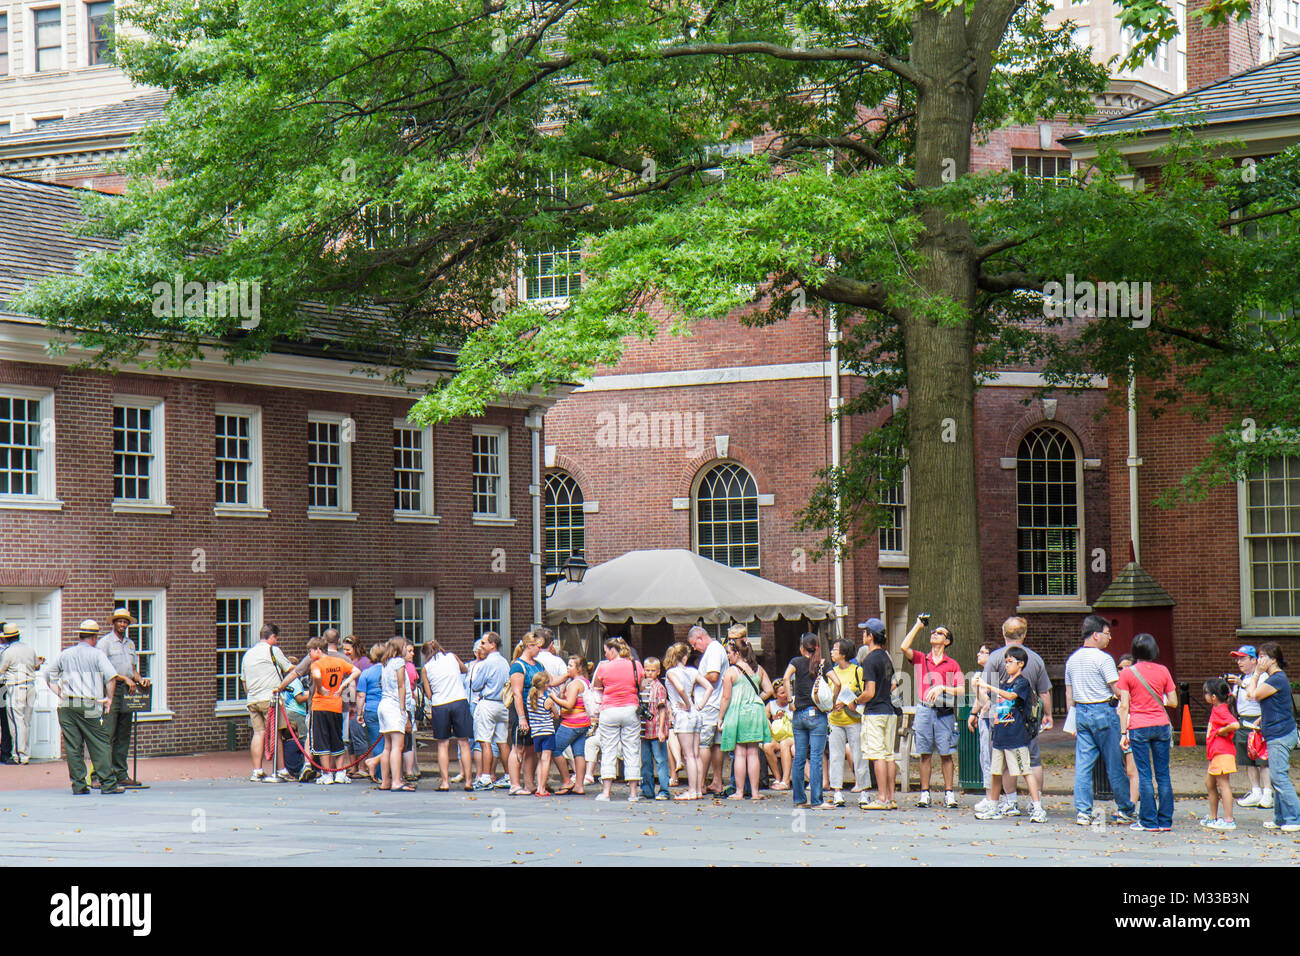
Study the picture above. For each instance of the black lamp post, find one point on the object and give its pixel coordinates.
(575, 569)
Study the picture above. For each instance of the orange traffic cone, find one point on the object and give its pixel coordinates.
(1187, 738)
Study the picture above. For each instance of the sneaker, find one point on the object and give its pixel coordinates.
(1266, 801)
(864, 797)
(1208, 822)
(950, 801)
(257, 777)
(1038, 816)
(116, 790)
(459, 778)
(308, 773)
(1139, 828)
(992, 812)
(1121, 818)
(633, 797)
(1285, 828)
(503, 783)
(893, 804)
(827, 805)
(341, 776)
(480, 785)
(838, 799)
(662, 796)
(284, 775)
(984, 805)
(325, 779)
(1083, 819)
(273, 778)
(1009, 809)
(924, 801)
(602, 798)
(1252, 799)
(874, 805)
(1222, 824)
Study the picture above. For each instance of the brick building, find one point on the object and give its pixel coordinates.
(321, 505)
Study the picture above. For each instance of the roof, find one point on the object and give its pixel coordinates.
(1133, 587)
(123, 118)
(36, 241)
(1268, 91)
(679, 586)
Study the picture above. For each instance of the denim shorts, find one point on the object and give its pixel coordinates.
(566, 737)
(935, 734)
(544, 742)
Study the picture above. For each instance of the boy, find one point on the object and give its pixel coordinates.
(1010, 737)
(331, 676)
(654, 734)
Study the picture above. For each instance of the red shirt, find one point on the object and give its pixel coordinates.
(946, 673)
(1216, 745)
(1143, 709)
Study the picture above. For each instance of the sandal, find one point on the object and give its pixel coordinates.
(404, 788)
(443, 789)
(564, 791)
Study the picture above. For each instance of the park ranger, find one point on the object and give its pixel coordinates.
(18, 667)
(83, 680)
(122, 654)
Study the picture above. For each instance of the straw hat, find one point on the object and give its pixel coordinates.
(10, 632)
(88, 626)
(122, 613)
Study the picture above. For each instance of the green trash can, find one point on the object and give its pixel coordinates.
(970, 775)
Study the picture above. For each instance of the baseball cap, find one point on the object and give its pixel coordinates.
(1246, 650)
(873, 624)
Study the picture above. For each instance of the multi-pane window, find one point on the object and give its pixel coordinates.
(565, 524)
(99, 24)
(1272, 538)
(727, 517)
(329, 609)
(4, 56)
(324, 464)
(1047, 515)
(413, 617)
(412, 471)
(49, 38)
(490, 611)
(1053, 168)
(893, 529)
(488, 465)
(133, 453)
(148, 633)
(235, 629)
(552, 273)
(235, 458)
(20, 445)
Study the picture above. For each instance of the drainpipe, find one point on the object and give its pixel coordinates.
(1133, 462)
(534, 425)
(833, 337)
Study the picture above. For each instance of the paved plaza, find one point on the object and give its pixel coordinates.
(225, 822)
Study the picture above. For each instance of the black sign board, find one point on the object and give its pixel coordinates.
(138, 701)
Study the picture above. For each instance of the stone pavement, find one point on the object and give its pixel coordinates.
(225, 822)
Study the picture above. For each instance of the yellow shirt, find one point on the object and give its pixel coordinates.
(850, 676)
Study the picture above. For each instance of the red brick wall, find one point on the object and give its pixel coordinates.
(1215, 53)
(90, 551)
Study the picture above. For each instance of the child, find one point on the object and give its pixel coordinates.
(1222, 753)
(542, 711)
(1010, 738)
(687, 689)
(654, 734)
(780, 751)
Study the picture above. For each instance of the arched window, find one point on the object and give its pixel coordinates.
(726, 517)
(565, 522)
(1048, 519)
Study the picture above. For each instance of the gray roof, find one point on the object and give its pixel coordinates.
(36, 241)
(1268, 91)
(1133, 587)
(126, 117)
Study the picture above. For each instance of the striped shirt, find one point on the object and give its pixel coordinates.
(120, 651)
(83, 670)
(540, 721)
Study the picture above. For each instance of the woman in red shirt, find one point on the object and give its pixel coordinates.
(1145, 690)
(619, 678)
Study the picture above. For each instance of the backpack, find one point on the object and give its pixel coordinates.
(1034, 714)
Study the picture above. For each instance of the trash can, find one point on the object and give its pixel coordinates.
(1101, 782)
(970, 775)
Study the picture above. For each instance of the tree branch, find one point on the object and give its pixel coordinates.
(1010, 281)
(1228, 223)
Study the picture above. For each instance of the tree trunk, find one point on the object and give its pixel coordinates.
(944, 577)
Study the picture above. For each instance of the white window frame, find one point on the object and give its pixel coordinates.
(900, 559)
(426, 514)
(254, 508)
(45, 498)
(83, 35)
(158, 678)
(1251, 624)
(236, 708)
(502, 515)
(695, 512)
(503, 595)
(344, 510)
(29, 38)
(343, 596)
(427, 624)
(1077, 603)
(156, 503)
(549, 302)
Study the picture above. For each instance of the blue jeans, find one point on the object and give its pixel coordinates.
(1098, 736)
(810, 733)
(372, 732)
(654, 763)
(1151, 751)
(1286, 806)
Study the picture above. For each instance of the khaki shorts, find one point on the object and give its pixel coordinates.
(257, 713)
(1014, 762)
(879, 731)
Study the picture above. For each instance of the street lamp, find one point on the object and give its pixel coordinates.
(575, 569)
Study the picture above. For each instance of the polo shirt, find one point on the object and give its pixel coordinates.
(489, 677)
(1089, 673)
(83, 672)
(120, 652)
(929, 675)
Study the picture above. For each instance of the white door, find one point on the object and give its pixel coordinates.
(37, 613)
(897, 624)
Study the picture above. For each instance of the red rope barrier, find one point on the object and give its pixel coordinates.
(273, 718)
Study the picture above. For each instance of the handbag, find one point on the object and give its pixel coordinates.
(1256, 746)
(822, 695)
(591, 701)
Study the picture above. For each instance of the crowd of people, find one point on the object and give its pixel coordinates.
(544, 724)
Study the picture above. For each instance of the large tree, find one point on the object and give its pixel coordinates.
(393, 160)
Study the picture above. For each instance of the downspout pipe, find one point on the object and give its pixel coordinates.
(534, 425)
(1134, 462)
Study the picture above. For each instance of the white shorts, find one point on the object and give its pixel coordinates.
(491, 721)
(709, 733)
(686, 721)
(392, 719)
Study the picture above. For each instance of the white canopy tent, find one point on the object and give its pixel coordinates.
(680, 587)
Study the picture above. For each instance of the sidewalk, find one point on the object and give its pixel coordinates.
(53, 774)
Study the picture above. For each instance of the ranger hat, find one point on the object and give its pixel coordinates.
(10, 631)
(124, 614)
(88, 626)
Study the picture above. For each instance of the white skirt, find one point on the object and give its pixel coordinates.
(392, 719)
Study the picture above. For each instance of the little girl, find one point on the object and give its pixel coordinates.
(687, 689)
(542, 711)
(1222, 753)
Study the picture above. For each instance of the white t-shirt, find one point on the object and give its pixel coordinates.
(686, 677)
(1245, 706)
(263, 667)
(1089, 673)
(714, 658)
(555, 666)
(442, 671)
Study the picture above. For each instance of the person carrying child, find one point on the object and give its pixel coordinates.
(1222, 754)
(1012, 702)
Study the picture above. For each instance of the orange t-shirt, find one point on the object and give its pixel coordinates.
(328, 675)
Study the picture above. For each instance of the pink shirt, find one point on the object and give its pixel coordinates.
(619, 678)
(1143, 709)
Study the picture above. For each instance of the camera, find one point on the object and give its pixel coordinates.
(924, 618)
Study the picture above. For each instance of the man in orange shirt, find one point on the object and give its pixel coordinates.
(330, 677)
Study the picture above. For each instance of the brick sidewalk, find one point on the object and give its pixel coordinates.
(53, 774)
